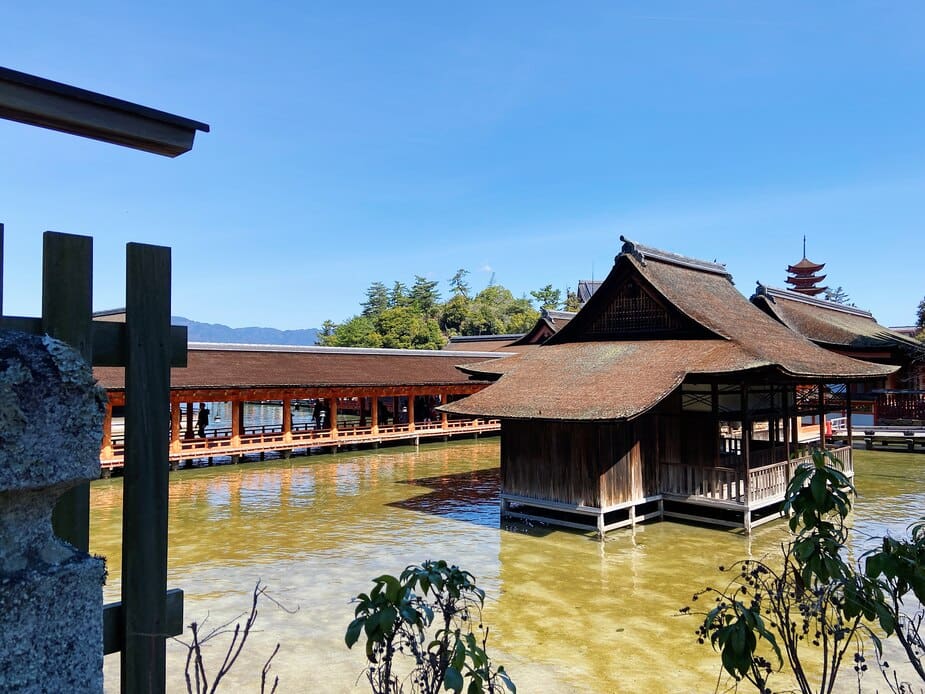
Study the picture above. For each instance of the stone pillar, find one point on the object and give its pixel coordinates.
(51, 595)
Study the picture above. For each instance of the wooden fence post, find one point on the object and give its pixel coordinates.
(145, 499)
(67, 314)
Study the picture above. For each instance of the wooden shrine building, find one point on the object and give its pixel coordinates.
(846, 330)
(668, 394)
(389, 393)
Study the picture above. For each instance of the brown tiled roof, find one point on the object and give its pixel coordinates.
(481, 343)
(571, 377)
(259, 366)
(825, 322)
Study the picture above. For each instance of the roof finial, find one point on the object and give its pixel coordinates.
(804, 245)
(629, 248)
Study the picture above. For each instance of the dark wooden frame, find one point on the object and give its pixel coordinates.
(139, 625)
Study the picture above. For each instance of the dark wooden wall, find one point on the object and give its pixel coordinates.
(589, 463)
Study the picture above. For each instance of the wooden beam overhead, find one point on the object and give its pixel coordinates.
(37, 101)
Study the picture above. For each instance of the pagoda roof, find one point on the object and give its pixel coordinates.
(805, 267)
(805, 281)
(828, 323)
(700, 325)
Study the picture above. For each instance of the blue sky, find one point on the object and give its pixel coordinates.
(354, 142)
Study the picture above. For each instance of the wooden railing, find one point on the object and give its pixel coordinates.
(270, 437)
(765, 483)
(717, 483)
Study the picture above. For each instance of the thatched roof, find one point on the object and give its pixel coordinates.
(828, 323)
(657, 319)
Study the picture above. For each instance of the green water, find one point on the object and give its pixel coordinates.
(567, 613)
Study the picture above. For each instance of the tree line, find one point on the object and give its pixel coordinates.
(417, 317)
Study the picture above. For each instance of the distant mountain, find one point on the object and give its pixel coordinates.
(216, 332)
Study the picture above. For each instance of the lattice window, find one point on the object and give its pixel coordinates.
(631, 312)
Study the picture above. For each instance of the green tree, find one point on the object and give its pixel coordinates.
(814, 604)
(398, 295)
(571, 300)
(377, 300)
(424, 296)
(920, 319)
(837, 296)
(403, 328)
(454, 313)
(495, 311)
(326, 334)
(359, 331)
(431, 615)
(548, 298)
(458, 284)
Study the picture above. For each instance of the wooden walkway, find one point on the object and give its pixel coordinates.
(271, 438)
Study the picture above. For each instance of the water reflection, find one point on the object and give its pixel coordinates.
(567, 613)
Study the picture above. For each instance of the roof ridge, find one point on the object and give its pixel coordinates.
(321, 349)
(643, 253)
(784, 293)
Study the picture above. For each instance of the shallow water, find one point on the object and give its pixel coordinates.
(567, 613)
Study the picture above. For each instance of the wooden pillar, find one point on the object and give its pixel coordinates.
(67, 314)
(787, 422)
(287, 420)
(145, 494)
(848, 429)
(175, 427)
(410, 413)
(746, 453)
(444, 421)
(374, 413)
(107, 431)
(189, 420)
(821, 416)
(237, 421)
(333, 402)
(396, 410)
(362, 402)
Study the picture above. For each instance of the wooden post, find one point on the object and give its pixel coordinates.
(822, 416)
(189, 420)
(107, 432)
(175, 446)
(67, 314)
(362, 405)
(395, 409)
(849, 431)
(145, 492)
(410, 413)
(444, 421)
(333, 402)
(787, 422)
(746, 454)
(237, 419)
(287, 420)
(374, 414)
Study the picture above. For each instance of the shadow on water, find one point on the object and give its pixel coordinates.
(473, 496)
